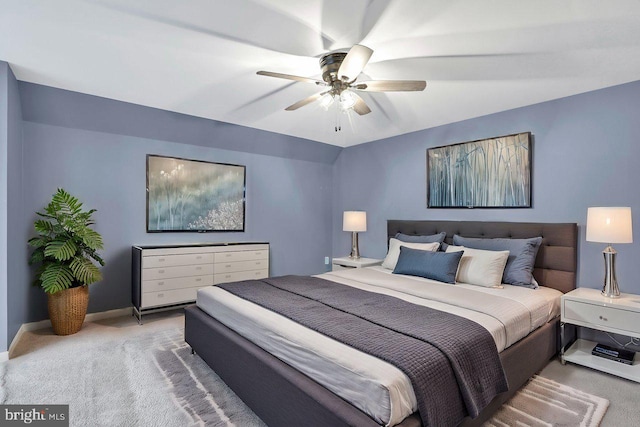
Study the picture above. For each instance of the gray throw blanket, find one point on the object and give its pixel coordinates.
(452, 362)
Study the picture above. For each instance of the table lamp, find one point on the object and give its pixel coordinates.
(354, 221)
(609, 225)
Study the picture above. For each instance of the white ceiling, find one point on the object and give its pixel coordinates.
(200, 57)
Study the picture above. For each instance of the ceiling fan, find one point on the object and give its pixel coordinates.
(339, 73)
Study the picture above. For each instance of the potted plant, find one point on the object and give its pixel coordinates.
(65, 250)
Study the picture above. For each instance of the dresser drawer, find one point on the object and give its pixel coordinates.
(181, 271)
(599, 316)
(232, 267)
(177, 283)
(240, 256)
(241, 275)
(175, 260)
(175, 296)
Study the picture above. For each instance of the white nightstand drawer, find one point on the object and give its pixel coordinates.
(174, 260)
(599, 316)
(181, 271)
(231, 267)
(240, 256)
(177, 283)
(241, 275)
(175, 296)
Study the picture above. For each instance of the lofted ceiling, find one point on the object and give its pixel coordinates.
(200, 57)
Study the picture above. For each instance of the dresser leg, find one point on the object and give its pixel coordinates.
(138, 315)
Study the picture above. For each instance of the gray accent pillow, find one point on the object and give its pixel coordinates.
(522, 256)
(433, 238)
(439, 266)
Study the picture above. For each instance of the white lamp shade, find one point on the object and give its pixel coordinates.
(609, 225)
(354, 221)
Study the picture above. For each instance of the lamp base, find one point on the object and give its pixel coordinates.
(355, 252)
(610, 288)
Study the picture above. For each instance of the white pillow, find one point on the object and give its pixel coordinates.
(391, 259)
(479, 267)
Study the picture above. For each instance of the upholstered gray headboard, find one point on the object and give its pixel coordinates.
(557, 259)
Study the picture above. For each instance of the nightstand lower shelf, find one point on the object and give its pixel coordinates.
(580, 354)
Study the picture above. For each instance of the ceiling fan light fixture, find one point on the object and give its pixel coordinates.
(326, 101)
(340, 70)
(347, 99)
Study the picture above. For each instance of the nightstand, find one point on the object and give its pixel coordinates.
(345, 263)
(588, 308)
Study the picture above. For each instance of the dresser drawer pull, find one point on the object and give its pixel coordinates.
(257, 273)
(161, 259)
(160, 283)
(258, 262)
(198, 268)
(228, 265)
(228, 276)
(160, 295)
(161, 271)
(227, 255)
(199, 279)
(199, 257)
(603, 318)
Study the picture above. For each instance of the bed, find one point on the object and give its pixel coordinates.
(281, 395)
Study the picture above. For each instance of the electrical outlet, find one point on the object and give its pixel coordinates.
(326, 260)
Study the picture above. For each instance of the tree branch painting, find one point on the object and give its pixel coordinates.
(489, 173)
(193, 195)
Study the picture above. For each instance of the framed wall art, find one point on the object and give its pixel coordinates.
(488, 173)
(194, 195)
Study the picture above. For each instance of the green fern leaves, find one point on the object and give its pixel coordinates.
(61, 250)
(56, 277)
(66, 247)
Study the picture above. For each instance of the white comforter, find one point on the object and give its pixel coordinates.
(376, 387)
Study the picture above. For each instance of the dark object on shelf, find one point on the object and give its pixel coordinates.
(611, 353)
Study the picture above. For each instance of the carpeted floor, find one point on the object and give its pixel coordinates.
(116, 373)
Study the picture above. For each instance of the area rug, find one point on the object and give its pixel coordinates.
(195, 389)
(114, 375)
(542, 402)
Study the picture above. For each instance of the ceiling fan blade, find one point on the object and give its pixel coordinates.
(391, 85)
(354, 62)
(360, 106)
(291, 77)
(306, 101)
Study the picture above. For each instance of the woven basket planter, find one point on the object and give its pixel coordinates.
(67, 309)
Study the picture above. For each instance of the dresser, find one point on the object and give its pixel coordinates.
(166, 277)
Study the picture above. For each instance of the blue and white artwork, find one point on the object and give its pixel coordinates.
(192, 195)
(489, 173)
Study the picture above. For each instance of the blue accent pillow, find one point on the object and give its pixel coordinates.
(439, 266)
(433, 238)
(522, 256)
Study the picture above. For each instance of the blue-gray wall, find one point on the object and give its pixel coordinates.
(4, 108)
(12, 249)
(289, 184)
(586, 152)
(17, 251)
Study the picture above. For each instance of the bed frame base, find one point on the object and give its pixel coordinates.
(282, 396)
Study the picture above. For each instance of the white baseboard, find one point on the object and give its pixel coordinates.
(92, 317)
(4, 356)
(33, 326)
